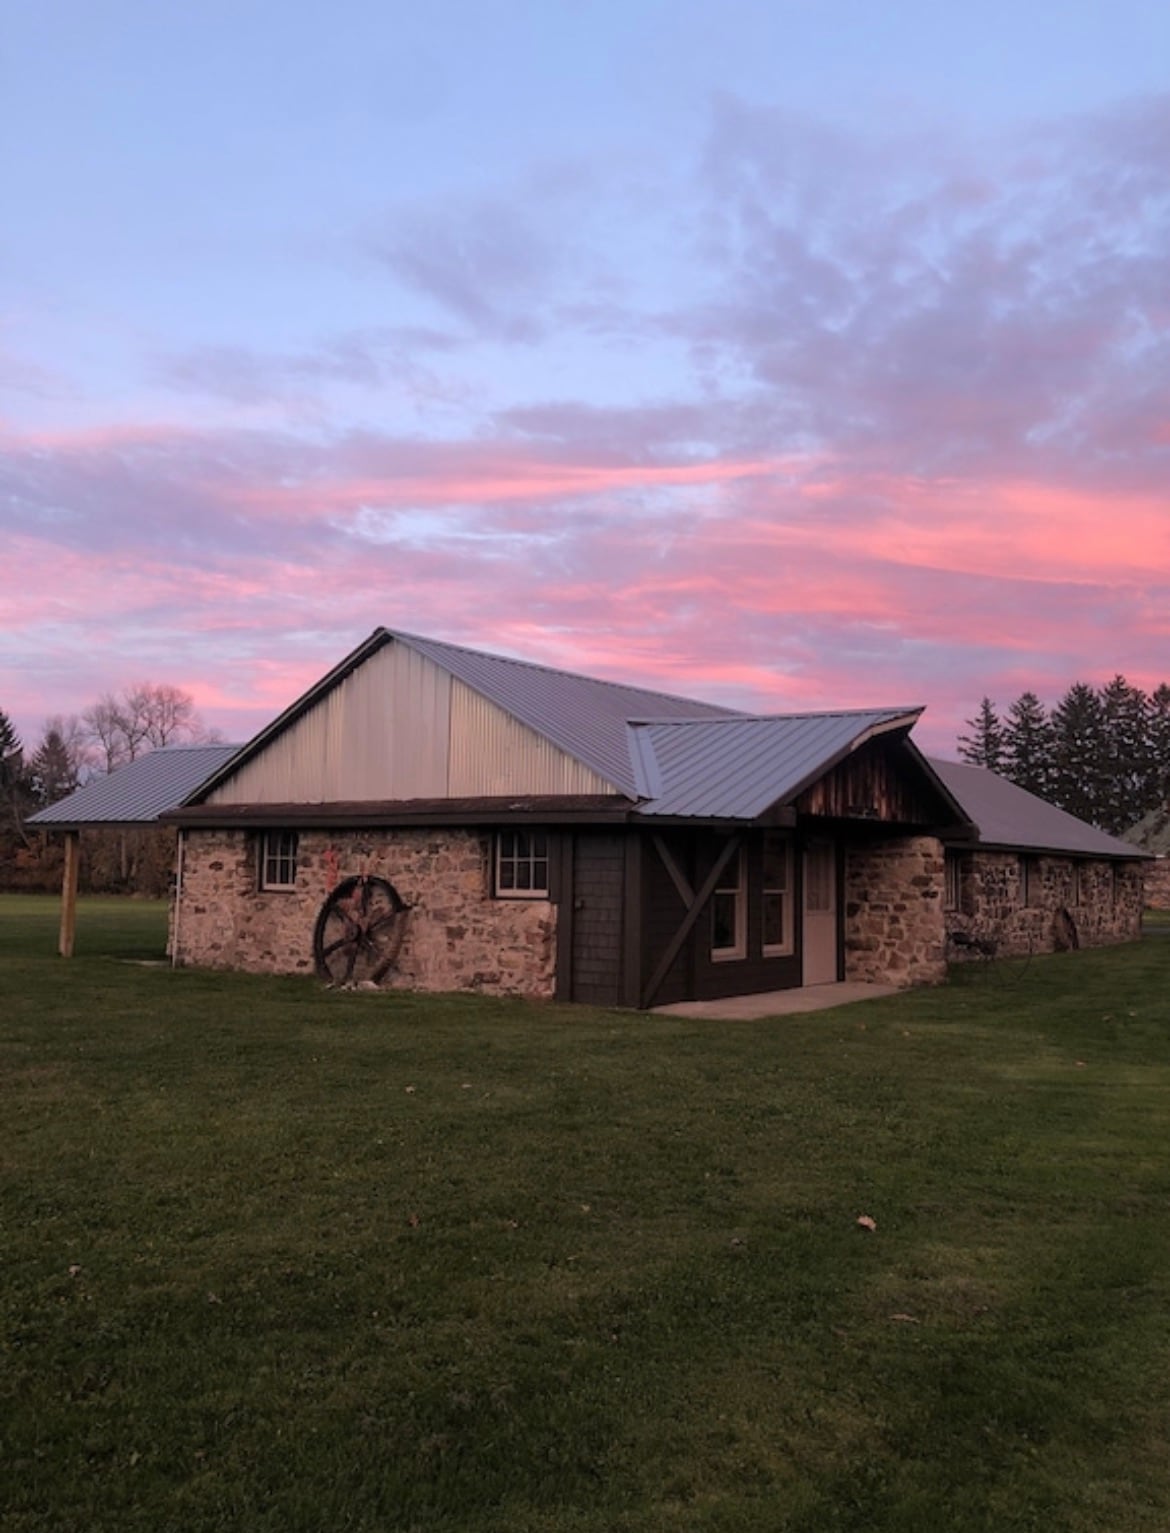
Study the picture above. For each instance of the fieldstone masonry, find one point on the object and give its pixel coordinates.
(894, 931)
(1037, 904)
(457, 935)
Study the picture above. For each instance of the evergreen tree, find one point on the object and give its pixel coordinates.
(53, 771)
(1126, 768)
(1158, 724)
(984, 745)
(1079, 754)
(1027, 745)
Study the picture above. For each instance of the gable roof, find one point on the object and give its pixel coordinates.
(139, 792)
(1010, 818)
(737, 768)
(581, 715)
(668, 755)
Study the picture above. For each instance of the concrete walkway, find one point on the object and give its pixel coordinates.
(777, 1003)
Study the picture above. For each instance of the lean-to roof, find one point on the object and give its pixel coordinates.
(139, 792)
(1010, 818)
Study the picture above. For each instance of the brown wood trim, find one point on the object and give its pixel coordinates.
(677, 877)
(563, 899)
(694, 910)
(631, 956)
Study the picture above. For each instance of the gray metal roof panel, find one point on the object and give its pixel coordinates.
(139, 792)
(583, 716)
(1009, 816)
(737, 768)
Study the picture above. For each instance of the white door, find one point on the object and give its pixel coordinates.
(819, 910)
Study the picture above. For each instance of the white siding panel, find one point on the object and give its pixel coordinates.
(492, 753)
(382, 733)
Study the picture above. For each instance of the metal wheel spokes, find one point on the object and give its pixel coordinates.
(359, 931)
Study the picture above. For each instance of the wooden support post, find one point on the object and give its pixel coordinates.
(69, 892)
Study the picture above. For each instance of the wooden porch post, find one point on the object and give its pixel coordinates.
(69, 892)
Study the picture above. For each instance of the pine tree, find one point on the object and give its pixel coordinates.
(1127, 777)
(1158, 725)
(1027, 745)
(984, 746)
(52, 772)
(1079, 754)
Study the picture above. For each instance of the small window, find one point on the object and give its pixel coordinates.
(727, 911)
(952, 882)
(777, 906)
(278, 859)
(1078, 883)
(522, 865)
(1031, 885)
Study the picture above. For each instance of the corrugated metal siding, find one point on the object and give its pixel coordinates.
(584, 717)
(381, 733)
(492, 752)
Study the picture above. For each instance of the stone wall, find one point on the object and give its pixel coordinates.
(1157, 882)
(1066, 902)
(893, 912)
(456, 935)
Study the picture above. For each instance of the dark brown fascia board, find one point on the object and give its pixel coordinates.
(1015, 849)
(294, 711)
(512, 810)
(495, 811)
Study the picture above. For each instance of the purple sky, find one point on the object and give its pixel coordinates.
(794, 354)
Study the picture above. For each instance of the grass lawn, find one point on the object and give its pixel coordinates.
(289, 1261)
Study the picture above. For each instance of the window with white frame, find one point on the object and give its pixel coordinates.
(777, 896)
(522, 865)
(278, 859)
(728, 911)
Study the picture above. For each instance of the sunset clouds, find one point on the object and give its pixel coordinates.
(787, 412)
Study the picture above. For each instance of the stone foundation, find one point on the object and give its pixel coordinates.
(1066, 902)
(894, 931)
(457, 935)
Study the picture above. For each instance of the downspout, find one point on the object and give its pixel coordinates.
(178, 899)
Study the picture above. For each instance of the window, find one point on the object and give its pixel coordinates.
(953, 882)
(727, 911)
(278, 859)
(1031, 889)
(522, 865)
(1078, 883)
(777, 892)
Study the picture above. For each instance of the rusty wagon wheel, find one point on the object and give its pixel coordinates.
(359, 931)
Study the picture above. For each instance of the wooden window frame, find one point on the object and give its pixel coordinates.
(518, 854)
(953, 881)
(737, 950)
(787, 944)
(279, 850)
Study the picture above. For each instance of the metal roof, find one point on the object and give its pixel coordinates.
(585, 717)
(139, 792)
(1010, 817)
(736, 768)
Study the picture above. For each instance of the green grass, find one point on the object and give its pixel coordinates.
(276, 1259)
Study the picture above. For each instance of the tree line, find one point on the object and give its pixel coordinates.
(73, 748)
(1101, 753)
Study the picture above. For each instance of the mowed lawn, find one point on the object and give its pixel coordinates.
(280, 1259)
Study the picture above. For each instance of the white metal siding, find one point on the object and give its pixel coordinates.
(492, 753)
(382, 733)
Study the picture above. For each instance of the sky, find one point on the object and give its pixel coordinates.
(793, 354)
